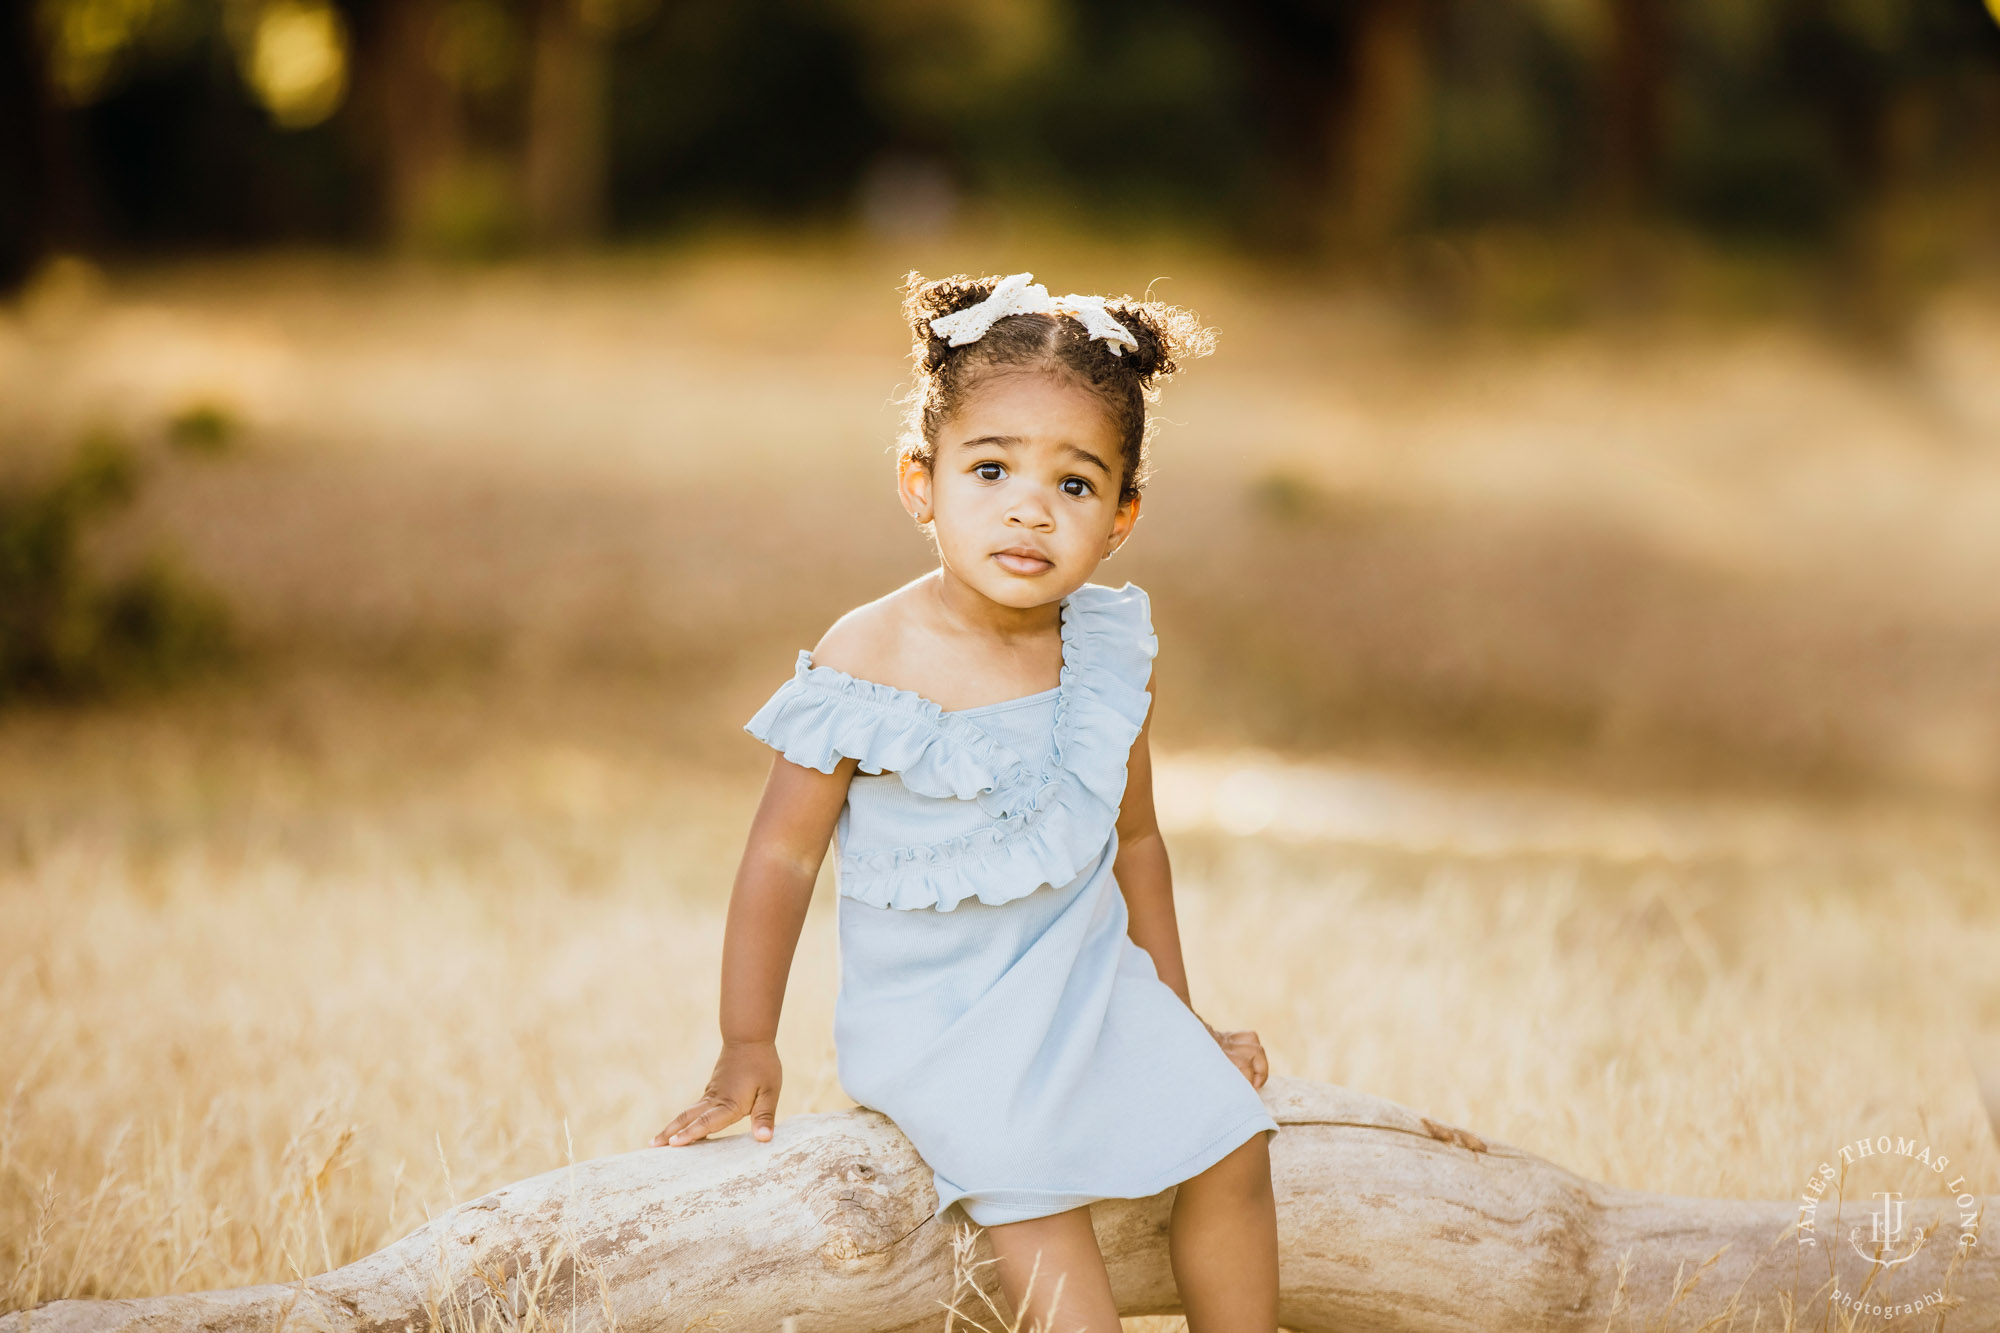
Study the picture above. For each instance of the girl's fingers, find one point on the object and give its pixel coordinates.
(674, 1126)
(764, 1113)
(693, 1124)
(699, 1127)
(1248, 1054)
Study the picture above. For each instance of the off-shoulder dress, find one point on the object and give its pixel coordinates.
(991, 1003)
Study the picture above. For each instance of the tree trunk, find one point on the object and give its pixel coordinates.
(565, 148)
(1635, 79)
(43, 202)
(407, 120)
(1388, 1223)
(1379, 126)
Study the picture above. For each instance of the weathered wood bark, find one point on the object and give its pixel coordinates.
(1388, 1221)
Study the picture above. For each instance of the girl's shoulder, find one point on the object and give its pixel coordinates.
(840, 702)
(867, 642)
(838, 705)
(872, 642)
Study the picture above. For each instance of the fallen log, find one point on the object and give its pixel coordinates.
(1389, 1223)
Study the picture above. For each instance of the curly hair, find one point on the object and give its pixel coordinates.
(1168, 337)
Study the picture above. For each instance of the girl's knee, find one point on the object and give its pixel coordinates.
(1245, 1172)
(1050, 1267)
(1058, 1240)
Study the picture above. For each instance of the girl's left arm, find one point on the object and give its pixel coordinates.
(1142, 870)
(1147, 881)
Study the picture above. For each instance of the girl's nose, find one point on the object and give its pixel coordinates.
(1031, 509)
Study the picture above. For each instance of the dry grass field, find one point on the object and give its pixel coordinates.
(284, 978)
(1588, 738)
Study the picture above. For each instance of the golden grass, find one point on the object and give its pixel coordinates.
(274, 1000)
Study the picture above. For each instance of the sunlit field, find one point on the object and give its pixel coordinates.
(285, 979)
(1586, 735)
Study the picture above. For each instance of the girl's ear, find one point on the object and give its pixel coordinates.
(1121, 524)
(913, 487)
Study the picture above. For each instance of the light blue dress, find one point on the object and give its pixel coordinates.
(991, 1002)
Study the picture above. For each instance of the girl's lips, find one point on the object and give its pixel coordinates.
(1017, 562)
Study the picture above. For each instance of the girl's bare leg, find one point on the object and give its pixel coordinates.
(1068, 1255)
(1224, 1243)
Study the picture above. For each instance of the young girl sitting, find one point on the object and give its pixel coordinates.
(1012, 992)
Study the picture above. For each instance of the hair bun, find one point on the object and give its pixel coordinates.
(1168, 337)
(927, 299)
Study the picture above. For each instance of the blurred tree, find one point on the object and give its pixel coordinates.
(407, 122)
(1514, 111)
(1293, 52)
(1344, 87)
(1380, 123)
(563, 161)
(566, 152)
(472, 125)
(745, 107)
(29, 160)
(1634, 85)
(174, 122)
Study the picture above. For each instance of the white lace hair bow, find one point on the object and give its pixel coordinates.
(1018, 294)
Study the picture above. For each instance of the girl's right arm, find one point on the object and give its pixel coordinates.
(767, 908)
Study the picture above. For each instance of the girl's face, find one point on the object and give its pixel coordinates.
(1023, 489)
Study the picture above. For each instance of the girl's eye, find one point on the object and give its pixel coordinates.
(989, 471)
(1075, 486)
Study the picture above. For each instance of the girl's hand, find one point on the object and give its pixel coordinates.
(745, 1082)
(1245, 1052)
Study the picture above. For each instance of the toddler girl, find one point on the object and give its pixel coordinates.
(1012, 992)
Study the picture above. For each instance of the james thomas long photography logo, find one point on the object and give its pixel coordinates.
(1885, 1237)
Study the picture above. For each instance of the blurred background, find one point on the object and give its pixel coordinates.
(429, 428)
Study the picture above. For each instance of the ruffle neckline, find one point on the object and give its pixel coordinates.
(1046, 823)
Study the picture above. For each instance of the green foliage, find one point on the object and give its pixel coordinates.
(1285, 495)
(66, 633)
(204, 428)
(468, 213)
